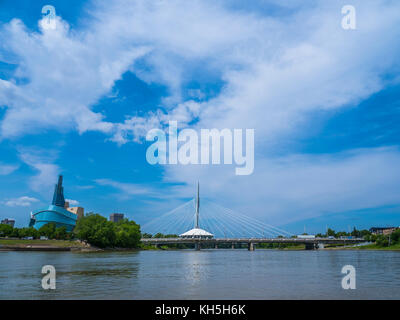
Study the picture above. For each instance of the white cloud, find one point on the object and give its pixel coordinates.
(42, 161)
(126, 190)
(279, 68)
(20, 202)
(276, 73)
(72, 202)
(295, 187)
(67, 71)
(6, 169)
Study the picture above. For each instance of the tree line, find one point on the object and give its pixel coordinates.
(92, 228)
(49, 231)
(355, 233)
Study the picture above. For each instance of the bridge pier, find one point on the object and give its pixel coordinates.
(216, 246)
(233, 245)
(309, 246)
(251, 246)
(197, 246)
(314, 246)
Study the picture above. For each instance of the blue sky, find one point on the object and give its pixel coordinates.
(324, 103)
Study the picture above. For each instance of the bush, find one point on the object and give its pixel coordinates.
(6, 230)
(395, 237)
(382, 241)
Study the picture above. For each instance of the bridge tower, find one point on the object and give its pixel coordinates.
(197, 232)
(197, 205)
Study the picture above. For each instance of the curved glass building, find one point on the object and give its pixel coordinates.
(56, 212)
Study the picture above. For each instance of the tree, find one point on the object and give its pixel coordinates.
(330, 233)
(28, 232)
(355, 232)
(159, 235)
(365, 233)
(395, 236)
(127, 234)
(48, 230)
(146, 235)
(382, 241)
(6, 230)
(96, 230)
(60, 233)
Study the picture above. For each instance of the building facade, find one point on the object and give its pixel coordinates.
(383, 230)
(115, 217)
(56, 212)
(79, 211)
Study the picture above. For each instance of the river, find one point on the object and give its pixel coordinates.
(205, 274)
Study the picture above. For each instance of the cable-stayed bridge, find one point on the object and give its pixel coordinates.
(216, 219)
(219, 225)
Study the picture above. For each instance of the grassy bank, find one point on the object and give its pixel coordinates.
(372, 246)
(376, 247)
(41, 243)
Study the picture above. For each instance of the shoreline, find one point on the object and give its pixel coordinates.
(78, 246)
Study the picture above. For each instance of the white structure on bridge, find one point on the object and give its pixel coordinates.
(196, 232)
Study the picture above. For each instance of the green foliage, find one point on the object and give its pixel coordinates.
(382, 241)
(355, 233)
(127, 234)
(28, 232)
(61, 233)
(330, 233)
(395, 237)
(146, 235)
(96, 230)
(100, 232)
(161, 235)
(387, 240)
(48, 230)
(6, 230)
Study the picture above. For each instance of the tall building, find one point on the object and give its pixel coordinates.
(10, 222)
(56, 212)
(115, 217)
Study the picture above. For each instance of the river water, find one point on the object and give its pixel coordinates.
(205, 274)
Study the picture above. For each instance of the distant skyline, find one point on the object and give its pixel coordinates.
(324, 103)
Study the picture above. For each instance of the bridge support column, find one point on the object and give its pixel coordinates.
(233, 246)
(311, 246)
(197, 246)
(251, 246)
(320, 245)
(216, 246)
(157, 246)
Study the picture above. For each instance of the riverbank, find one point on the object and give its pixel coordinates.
(44, 245)
(371, 246)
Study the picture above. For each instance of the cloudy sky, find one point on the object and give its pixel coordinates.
(324, 102)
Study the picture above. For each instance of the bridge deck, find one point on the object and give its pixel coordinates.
(159, 241)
